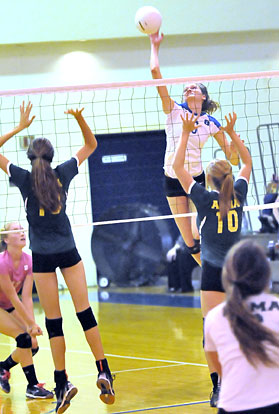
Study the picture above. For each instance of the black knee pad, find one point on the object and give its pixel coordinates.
(194, 249)
(35, 351)
(87, 319)
(54, 327)
(23, 341)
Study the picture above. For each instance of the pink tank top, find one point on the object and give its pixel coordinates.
(17, 276)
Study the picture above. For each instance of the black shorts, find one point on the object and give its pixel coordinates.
(48, 263)
(10, 310)
(211, 278)
(173, 188)
(270, 409)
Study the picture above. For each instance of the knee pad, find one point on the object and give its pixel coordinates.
(87, 319)
(194, 249)
(35, 351)
(23, 341)
(54, 327)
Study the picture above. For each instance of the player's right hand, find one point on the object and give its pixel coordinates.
(34, 330)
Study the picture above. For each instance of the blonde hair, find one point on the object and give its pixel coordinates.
(3, 244)
(220, 172)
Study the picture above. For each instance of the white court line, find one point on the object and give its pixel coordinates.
(126, 357)
(162, 407)
(136, 369)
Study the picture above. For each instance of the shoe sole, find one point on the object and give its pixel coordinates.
(65, 404)
(37, 397)
(5, 391)
(107, 395)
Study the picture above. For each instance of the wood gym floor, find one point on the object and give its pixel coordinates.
(153, 341)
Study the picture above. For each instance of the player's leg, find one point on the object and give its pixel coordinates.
(76, 281)
(9, 326)
(180, 205)
(47, 289)
(212, 294)
(13, 359)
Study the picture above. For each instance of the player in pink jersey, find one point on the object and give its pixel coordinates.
(16, 315)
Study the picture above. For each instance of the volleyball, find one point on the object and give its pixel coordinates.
(148, 19)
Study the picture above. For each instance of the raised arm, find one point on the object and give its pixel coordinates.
(90, 142)
(229, 149)
(245, 156)
(24, 122)
(188, 125)
(155, 41)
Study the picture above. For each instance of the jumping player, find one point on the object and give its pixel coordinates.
(17, 316)
(195, 100)
(44, 191)
(219, 215)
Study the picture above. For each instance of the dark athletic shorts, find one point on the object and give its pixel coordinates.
(211, 278)
(270, 409)
(10, 310)
(173, 188)
(48, 263)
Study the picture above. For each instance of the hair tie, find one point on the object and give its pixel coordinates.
(46, 158)
(43, 157)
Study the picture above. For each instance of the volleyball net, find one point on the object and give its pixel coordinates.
(127, 118)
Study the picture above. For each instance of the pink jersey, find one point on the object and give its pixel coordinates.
(17, 276)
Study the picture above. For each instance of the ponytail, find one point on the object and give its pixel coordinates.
(45, 185)
(220, 172)
(246, 272)
(226, 194)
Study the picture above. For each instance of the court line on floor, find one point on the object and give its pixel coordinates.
(161, 407)
(125, 357)
(131, 370)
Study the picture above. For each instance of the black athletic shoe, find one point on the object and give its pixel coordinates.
(4, 381)
(214, 396)
(64, 396)
(38, 392)
(104, 383)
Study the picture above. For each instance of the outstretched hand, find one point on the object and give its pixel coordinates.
(156, 38)
(25, 120)
(189, 124)
(76, 113)
(229, 128)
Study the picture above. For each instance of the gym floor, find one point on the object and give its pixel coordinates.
(153, 341)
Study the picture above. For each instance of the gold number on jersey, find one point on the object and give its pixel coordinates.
(232, 221)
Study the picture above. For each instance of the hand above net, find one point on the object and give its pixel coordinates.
(75, 112)
(25, 120)
(156, 38)
(229, 128)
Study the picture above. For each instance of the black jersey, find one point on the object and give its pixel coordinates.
(48, 232)
(217, 236)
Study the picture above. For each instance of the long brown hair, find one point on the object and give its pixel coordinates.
(247, 272)
(44, 180)
(220, 172)
(208, 104)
